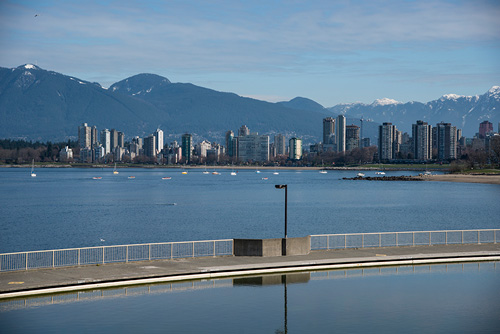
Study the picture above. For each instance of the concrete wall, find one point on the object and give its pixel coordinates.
(298, 246)
(272, 247)
(257, 247)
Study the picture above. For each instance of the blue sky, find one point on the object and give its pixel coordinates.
(329, 51)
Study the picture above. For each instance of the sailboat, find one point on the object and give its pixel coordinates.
(33, 174)
(114, 170)
(322, 171)
(206, 171)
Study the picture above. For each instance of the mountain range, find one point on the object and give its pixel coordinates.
(464, 112)
(36, 104)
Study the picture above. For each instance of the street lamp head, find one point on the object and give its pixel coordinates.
(280, 186)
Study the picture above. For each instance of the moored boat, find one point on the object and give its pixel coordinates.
(33, 174)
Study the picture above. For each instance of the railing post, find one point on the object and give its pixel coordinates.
(26, 260)
(462, 237)
(413, 237)
(494, 236)
(214, 248)
(397, 243)
(102, 254)
(327, 242)
(126, 254)
(430, 238)
(149, 252)
(362, 240)
(193, 248)
(446, 237)
(380, 240)
(478, 237)
(53, 265)
(78, 256)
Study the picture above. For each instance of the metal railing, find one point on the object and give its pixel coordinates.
(110, 254)
(397, 239)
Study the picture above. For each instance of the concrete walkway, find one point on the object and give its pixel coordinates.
(53, 280)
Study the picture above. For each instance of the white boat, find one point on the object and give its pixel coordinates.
(360, 174)
(33, 174)
(323, 171)
(234, 173)
(215, 173)
(257, 171)
(206, 171)
(114, 170)
(380, 173)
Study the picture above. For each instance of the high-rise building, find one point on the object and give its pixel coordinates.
(280, 144)
(253, 147)
(385, 141)
(235, 148)
(422, 140)
(66, 154)
(114, 139)
(150, 146)
(243, 131)
(351, 137)
(106, 141)
(295, 145)
(84, 136)
(94, 139)
(446, 141)
(397, 142)
(187, 147)
(202, 148)
(328, 130)
(121, 139)
(340, 133)
(159, 140)
(229, 143)
(485, 128)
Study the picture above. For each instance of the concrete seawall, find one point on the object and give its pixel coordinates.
(55, 280)
(272, 247)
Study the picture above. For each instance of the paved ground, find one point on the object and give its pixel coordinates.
(95, 276)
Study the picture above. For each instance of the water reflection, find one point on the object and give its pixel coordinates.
(250, 281)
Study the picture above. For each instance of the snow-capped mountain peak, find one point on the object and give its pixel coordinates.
(494, 92)
(384, 102)
(451, 97)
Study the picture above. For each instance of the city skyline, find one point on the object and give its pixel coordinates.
(329, 52)
(442, 142)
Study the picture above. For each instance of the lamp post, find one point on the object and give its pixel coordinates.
(284, 186)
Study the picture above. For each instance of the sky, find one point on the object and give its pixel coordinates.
(329, 51)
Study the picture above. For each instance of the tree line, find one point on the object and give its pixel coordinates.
(22, 151)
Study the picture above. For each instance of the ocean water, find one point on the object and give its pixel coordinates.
(66, 208)
(453, 298)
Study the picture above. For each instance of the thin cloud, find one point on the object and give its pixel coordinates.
(309, 38)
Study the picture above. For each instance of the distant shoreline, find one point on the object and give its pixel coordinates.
(464, 178)
(236, 167)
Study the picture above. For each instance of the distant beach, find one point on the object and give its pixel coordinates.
(465, 178)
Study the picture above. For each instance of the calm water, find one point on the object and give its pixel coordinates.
(457, 298)
(64, 208)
